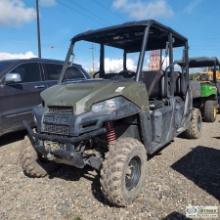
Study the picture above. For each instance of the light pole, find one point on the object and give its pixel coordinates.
(38, 29)
(93, 62)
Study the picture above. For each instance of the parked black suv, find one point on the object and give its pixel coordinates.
(21, 82)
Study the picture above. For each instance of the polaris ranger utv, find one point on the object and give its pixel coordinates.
(206, 91)
(114, 122)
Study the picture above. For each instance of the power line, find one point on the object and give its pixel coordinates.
(106, 8)
(80, 11)
(38, 29)
(89, 11)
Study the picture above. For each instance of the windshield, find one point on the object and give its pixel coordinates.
(112, 63)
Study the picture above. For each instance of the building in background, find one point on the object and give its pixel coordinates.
(217, 74)
(154, 63)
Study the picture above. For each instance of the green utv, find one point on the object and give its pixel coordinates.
(112, 123)
(206, 89)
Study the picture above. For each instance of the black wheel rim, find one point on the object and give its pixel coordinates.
(133, 173)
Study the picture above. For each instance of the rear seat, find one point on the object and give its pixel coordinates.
(154, 81)
(155, 84)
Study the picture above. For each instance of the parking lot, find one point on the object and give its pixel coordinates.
(183, 173)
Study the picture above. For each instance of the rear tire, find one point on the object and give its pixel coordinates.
(123, 171)
(32, 164)
(194, 130)
(210, 111)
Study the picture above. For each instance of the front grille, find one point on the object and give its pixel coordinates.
(60, 110)
(57, 129)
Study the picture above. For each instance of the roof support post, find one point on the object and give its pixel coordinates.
(142, 54)
(102, 60)
(214, 73)
(125, 60)
(67, 62)
(171, 64)
(186, 61)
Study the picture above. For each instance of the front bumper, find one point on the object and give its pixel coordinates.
(65, 152)
(64, 139)
(36, 136)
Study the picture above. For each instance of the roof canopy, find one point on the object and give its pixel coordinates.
(202, 62)
(129, 36)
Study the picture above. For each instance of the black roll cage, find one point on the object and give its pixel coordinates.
(148, 25)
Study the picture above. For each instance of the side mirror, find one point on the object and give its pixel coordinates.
(12, 78)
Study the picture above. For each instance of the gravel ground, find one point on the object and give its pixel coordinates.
(185, 172)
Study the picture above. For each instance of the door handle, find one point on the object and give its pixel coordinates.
(39, 87)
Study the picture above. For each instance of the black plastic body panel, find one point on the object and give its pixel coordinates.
(86, 122)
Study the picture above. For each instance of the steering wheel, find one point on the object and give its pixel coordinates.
(127, 73)
(95, 74)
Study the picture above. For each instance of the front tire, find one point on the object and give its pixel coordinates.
(194, 130)
(32, 164)
(210, 111)
(123, 171)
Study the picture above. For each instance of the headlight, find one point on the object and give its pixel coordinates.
(108, 106)
(35, 119)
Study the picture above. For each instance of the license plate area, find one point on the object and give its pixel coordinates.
(57, 119)
(51, 146)
(58, 124)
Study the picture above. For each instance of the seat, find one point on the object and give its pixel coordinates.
(154, 83)
(177, 83)
(183, 85)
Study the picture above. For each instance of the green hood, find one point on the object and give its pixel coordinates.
(82, 95)
(207, 89)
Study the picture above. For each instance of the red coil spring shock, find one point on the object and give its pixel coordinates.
(111, 134)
